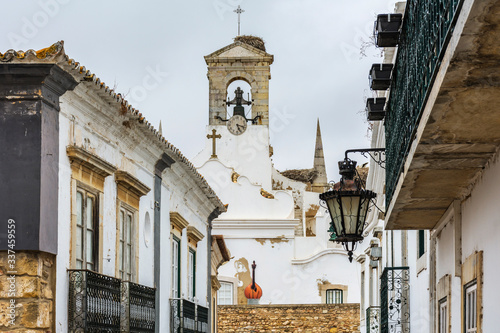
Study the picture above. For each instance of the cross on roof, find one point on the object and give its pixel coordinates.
(214, 136)
(238, 11)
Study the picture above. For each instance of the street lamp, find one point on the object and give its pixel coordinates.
(348, 205)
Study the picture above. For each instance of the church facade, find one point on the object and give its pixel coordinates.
(273, 218)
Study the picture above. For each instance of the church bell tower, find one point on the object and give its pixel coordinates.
(246, 59)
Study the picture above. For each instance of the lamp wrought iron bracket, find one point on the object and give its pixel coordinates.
(376, 154)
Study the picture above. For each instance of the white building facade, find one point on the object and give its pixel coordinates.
(128, 242)
(439, 235)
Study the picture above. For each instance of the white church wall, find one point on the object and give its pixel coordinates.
(329, 267)
(244, 197)
(272, 257)
(247, 154)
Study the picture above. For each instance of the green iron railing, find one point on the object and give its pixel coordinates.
(426, 30)
(373, 319)
(395, 300)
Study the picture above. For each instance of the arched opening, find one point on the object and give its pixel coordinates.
(246, 94)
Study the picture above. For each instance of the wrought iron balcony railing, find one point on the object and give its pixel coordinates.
(373, 319)
(395, 300)
(100, 303)
(426, 30)
(139, 308)
(187, 317)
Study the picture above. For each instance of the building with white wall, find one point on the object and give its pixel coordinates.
(112, 223)
(439, 235)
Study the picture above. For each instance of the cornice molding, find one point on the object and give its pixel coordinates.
(194, 234)
(80, 156)
(320, 254)
(130, 183)
(178, 221)
(259, 224)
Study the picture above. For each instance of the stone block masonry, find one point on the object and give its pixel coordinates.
(331, 318)
(27, 297)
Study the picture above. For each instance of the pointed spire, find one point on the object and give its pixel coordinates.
(159, 129)
(320, 182)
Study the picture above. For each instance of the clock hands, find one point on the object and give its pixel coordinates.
(241, 128)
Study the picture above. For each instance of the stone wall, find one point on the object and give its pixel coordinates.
(27, 296)
(333, 318)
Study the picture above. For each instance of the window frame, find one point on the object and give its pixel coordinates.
(231, 285)
(470, 289)
(192, 273)
(443, 315)
(176, 260)
(121, 273)
(86, 193)
(334, 293)
(421, 246)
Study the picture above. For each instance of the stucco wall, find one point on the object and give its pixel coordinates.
(481, 232)
(334, 318)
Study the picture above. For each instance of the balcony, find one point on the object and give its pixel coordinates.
(373, 319)
(442, 124)
(395, 300)
(187, 317)
(100, 303)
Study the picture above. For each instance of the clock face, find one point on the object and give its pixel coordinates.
(237, 125)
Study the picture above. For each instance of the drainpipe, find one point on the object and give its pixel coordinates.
(164, 162)
(211, 217)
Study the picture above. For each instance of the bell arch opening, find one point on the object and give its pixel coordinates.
(239, 87)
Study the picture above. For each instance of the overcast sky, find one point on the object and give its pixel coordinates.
(152, 51)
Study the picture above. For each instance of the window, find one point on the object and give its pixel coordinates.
(192, 273)
(443, 315)
(86, 230)
(421, 243)
(225, 294)
(176, 272)
(334, 296)
(126, 256)
(471, 307)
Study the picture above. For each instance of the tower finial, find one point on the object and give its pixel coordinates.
(159, 129)
(320, 182)
(238, 11)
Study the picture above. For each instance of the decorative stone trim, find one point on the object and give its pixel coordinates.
(177, 221)
(130, 183)
(472, 269)
(80, 156)
(194, 234)
(323, 286)
(215, 283)
(234, 177)
(266, 194)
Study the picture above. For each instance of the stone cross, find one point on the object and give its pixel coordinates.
(238, 11)
(214, 137)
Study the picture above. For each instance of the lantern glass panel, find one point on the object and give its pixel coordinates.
(362, 213)
(350, 206)
(334, 207)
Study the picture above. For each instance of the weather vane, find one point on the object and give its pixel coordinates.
(238, 11)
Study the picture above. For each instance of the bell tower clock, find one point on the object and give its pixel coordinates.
(246, 59)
